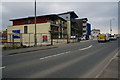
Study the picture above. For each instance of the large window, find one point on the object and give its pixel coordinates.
(25, 29)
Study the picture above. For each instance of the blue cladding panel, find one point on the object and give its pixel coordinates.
(16, 31)
(88, 29)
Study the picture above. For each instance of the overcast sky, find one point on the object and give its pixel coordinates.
(98, 13)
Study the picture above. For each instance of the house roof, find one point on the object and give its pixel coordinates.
(51, 15)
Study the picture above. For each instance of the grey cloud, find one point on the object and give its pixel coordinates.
(92, 10)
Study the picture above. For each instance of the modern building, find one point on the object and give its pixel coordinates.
(82, 26)
(23, 29)
(71, 24)
(95, 33)
(56, 26)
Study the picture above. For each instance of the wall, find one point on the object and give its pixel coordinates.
(41, 30)
(31, 21)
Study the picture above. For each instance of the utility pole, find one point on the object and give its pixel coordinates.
(110, 27)
(35, 26)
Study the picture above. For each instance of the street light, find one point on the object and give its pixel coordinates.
(111, 25)
(35, 26)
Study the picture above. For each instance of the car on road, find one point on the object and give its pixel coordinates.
(103, 37)
(113, 37)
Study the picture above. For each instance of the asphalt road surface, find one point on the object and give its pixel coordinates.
(75, 60)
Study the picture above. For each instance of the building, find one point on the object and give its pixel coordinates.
(95, 33)
(71, 24)
(82, 26)
(23, 29)
(3, 36)
(55, 26)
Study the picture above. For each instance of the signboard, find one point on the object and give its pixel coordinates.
(16, 32)
(59, 29)
(45, 38)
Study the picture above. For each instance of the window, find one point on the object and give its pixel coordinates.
(25, 29)
(28, 21)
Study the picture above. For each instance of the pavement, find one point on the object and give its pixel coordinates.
(111, 70)
(23, 50)
(75, 60)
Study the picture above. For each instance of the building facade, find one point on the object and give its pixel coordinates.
(82, 26)
(95, 33)
(3, 36)
(23, 29)
(55, 26)
(71, 24)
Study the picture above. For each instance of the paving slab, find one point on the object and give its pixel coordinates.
(111, 71)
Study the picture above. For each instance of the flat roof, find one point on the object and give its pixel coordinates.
(51, 15)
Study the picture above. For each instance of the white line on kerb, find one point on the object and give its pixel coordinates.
(86, 48)
(55, 55)
(2, 67)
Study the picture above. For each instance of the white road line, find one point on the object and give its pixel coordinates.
(64, 53)
(55, 55)
(2, 67)
(86, 48)
(68, 52)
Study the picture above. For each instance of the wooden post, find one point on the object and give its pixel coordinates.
(51, 38)
(29, 39)
(67, 39)
(10, 39)
(21, 39)
(13, 41)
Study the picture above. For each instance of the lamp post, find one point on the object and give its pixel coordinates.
(35, 26)
(111, 26)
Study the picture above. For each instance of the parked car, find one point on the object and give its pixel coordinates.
(83, 38)
(113, 37)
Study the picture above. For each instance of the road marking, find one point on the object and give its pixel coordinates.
(55, 55)
(86, 48)
(68, 52)
(2, 67)
(64, 53)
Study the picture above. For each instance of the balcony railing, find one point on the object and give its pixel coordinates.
(84, 29)
(84, 24)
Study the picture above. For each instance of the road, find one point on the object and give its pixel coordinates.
(75, 60)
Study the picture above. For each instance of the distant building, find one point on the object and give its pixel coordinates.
(95, 33)
(3, 36)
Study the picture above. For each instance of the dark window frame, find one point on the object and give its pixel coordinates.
(25, 29)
